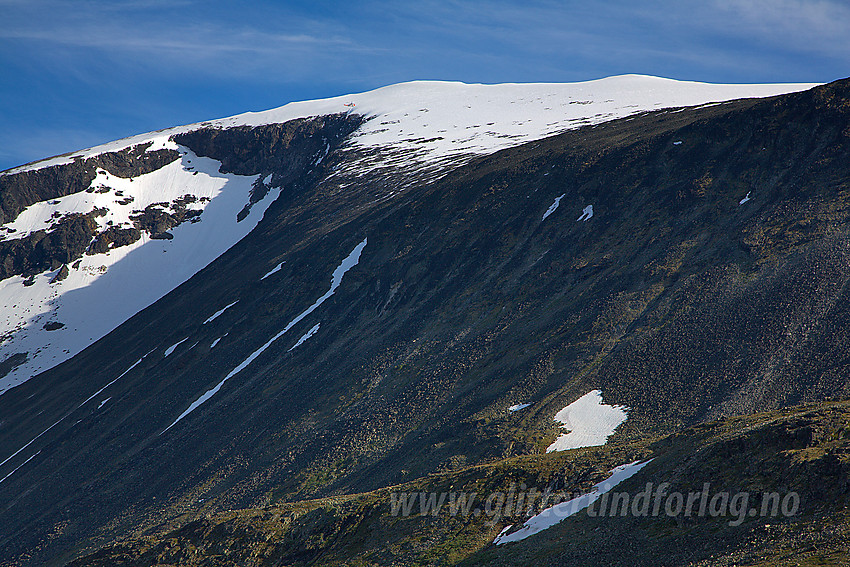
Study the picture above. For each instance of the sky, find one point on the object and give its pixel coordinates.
(76, 73)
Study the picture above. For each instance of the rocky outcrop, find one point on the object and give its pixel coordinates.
(113, 237)
(69, 238)
(293, 153)
(61, 275)
(41, 250)
(158, 222)
(287, 150)
(135, 161)
(20, 190)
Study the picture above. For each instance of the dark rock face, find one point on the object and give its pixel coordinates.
(42, 251)
(154, 220)
(287, 150)
(20, 190)
(63, 273)
(135, 161)
(292, 152)
(157, 221)
(113, 237)
(53, 325)
(11, 362)
(69, 239)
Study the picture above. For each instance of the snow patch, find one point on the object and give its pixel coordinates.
(219, 312)
(589, 421)
(745, 199)
(215, 342)
(503, 532)
(19, 466)
(274, 270)
(553, 207)
(33, 440)
(132, 366)
(324, 155)
(554, 515)
(586, 214)
(518, 407)
(170, 349)
(305, 336)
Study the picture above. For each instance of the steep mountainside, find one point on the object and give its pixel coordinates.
(399, 136)
(397, 297)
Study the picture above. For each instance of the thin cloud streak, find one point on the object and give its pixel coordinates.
(169, 42)
(430, 36)
(249, 41)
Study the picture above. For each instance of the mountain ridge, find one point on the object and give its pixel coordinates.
(373, 100)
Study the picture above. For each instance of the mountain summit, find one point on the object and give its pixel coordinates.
(427, 283)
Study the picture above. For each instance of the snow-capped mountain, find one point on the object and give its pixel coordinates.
(434, 120)
(411, 128)
(429, 285)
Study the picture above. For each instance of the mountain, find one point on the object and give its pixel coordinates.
(413, 128)
(309, 305)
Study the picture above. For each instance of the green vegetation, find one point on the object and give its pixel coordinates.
(805, 449)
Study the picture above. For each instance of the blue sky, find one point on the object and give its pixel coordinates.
(75, 73)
